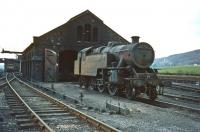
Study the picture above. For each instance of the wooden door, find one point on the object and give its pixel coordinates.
(51, 66)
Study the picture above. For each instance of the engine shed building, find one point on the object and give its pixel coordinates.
(50, 57)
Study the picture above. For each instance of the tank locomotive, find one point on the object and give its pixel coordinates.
(118, 68)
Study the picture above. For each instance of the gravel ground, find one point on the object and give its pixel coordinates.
(142, 117)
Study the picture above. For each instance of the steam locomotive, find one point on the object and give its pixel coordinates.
(11, 67)
(119, 69)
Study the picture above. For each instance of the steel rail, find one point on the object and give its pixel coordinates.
(36, 118)
(182, 97)
(179, 77)
(184, 87)
(77, 113)
(4, 83)
(2, 77)
(177, 106)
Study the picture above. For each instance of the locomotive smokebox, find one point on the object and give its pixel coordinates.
(135, 39)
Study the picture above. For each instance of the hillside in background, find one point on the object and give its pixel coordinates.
(188, 58)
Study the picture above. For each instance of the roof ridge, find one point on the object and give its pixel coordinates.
(83, 13)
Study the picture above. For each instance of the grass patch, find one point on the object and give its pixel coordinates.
(180, 70)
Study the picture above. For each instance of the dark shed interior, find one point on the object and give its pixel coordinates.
(66, 65)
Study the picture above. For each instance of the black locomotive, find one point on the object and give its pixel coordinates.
(11, 67)
(118, 68)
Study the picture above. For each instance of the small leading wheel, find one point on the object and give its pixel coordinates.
(159, 90)
(92, 84)
(130, 92)
(152, 93)
(113, 89)
(83, 82)
(101, 88)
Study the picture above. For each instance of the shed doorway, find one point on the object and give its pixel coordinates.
(66, 65)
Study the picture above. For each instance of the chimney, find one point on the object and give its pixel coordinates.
(135, 39)
(35, 39)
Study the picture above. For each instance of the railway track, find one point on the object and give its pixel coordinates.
(183, 78)
(35, 110)
(183, 97)
(177, 106)
(2, 81)
(183, 94)
(185, 87)
(186, 92)
(167, 104)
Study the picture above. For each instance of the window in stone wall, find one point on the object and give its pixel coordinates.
(87, 37)
(95, 34)
(79, 33)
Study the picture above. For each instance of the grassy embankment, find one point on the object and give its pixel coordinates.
(180, 70)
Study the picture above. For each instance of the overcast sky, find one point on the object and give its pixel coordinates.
(170, 26)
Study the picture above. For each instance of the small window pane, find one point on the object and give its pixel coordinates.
(79, 33)
(87, 32)
(95, 34)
